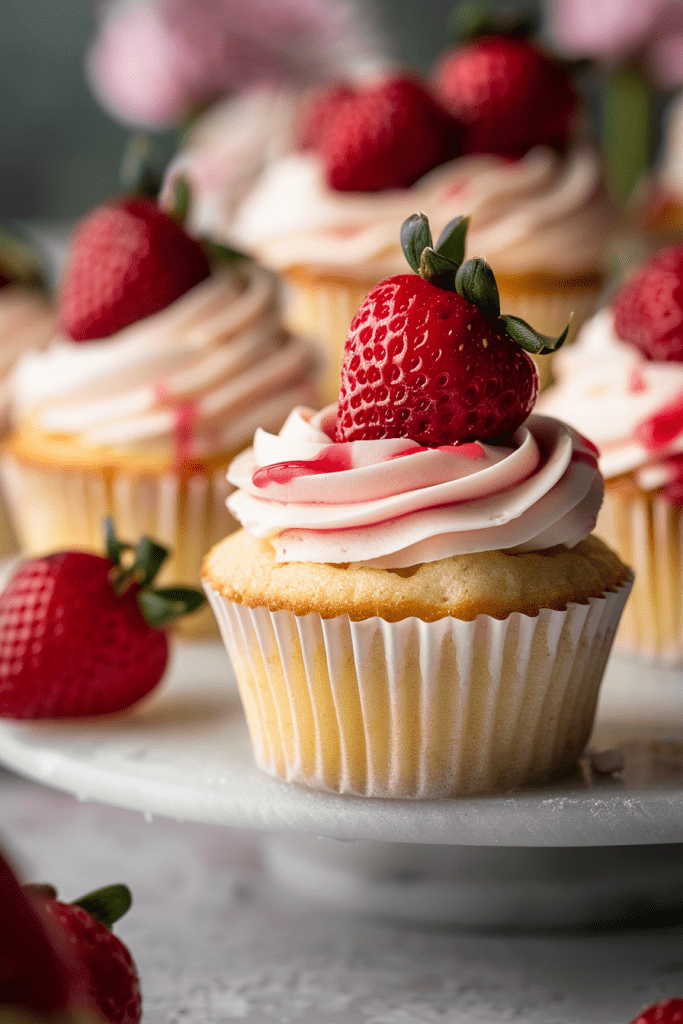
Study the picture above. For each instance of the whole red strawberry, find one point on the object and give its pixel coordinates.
(506, 96)
(128, 260)
(384, 136)
(430, 358)
(36, 973)
(668, 1011)
(318, 111)
(79, 633)
(107, 974)
(648, 310)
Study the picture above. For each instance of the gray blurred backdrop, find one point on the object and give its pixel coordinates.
(59, 151)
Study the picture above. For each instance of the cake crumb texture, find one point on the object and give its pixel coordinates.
(243, 568)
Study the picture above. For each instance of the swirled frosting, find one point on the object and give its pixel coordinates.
(26, 323)
(392, 503)
(630, 406)
(195, 378)
(542, 213)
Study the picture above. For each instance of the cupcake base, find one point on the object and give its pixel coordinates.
(419, 709)
(647, 531)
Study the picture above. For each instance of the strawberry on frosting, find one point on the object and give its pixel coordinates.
(623, 380)
(394, 474)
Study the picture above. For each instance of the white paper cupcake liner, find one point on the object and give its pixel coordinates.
(417, 709)
(55, 509)
(647, 533)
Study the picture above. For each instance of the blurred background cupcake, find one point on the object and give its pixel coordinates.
(165, 363)
(622, 384)
(27, 322)
(371, 151)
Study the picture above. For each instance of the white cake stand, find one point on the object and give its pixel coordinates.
(586, 848)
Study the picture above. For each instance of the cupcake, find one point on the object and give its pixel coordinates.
(415, 606)
(623, 384)
(327, 217)
(26, 323)
(163, 368)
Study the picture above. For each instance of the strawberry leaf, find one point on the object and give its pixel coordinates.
(167, 603)
(106, 905)
(531, 340)
(452, 239)
(416, 236)
(476, 283)
(114, 546)
(222, 253)
(181, 201)
(149, 557)
(438, 269)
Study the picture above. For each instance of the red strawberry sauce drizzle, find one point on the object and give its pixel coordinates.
(332, 459)
(469, 450)
(336, 458)
(185, 417)
(663, 427)
(636, 382)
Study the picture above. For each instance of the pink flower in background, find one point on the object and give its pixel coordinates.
(154, 61)
(614, 30)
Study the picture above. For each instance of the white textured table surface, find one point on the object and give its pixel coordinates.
(214, 943)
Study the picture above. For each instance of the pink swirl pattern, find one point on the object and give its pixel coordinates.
(391, 504)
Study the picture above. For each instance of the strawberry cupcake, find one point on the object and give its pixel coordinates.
(164, 365)
(415, 606)
(623, 384)
(327, 217)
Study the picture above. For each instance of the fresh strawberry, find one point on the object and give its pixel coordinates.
(430, 358)
(79, 633)
(648, 310)
(506, 96)
(35, 971)
(318, 111)
(108, 978)
(668, 1011)
(385, 136)
(128, 260)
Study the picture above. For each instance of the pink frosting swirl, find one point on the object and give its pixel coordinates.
(391, 503)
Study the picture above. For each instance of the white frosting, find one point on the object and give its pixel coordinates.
(540, 213)
(607, 389)
(392, 503)
(204, 372)
(26, 323)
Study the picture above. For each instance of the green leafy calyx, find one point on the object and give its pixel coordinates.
(107, 905)
(158, 605)
(444, 266)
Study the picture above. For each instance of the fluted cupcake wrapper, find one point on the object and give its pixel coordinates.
(419, 709)
(56, 509)
(647, 532)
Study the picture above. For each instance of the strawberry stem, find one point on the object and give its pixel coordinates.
(106, 905)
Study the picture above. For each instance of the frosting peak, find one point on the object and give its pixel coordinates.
(391, 503)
